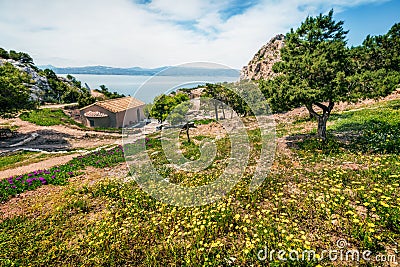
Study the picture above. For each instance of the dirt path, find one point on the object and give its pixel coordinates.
(45, 164)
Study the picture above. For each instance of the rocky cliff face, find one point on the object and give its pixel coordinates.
(260, 67)
(40, 83)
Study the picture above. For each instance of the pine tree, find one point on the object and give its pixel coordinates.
(318, 70)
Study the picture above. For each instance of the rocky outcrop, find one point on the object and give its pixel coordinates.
(260, 67)
(40, 83)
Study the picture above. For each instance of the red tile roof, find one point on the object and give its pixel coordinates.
(118, 104)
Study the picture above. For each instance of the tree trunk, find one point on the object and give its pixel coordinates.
(322, 118)
(187, 132)
(322, 127)
(216, 109)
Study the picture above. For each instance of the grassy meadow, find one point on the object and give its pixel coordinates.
(313, 196)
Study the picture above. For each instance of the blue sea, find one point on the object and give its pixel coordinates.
(146, 88)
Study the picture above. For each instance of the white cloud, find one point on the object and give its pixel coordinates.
(181, 9)
(164, 32)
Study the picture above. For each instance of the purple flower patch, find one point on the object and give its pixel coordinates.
(100, 159)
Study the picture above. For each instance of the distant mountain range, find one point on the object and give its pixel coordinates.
(137, 71)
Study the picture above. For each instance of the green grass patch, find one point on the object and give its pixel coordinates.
(329, 147)
(12, 159)
(48, 117)
(375, 129)
(8, 126)
(204, 121)
(106, 130)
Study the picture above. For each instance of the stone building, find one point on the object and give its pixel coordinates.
(113, 113)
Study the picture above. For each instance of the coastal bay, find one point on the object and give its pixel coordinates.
(146, 88)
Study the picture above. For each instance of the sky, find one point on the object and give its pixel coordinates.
(154, 33)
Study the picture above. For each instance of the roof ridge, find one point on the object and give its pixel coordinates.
(113, 99)
(119, 104)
